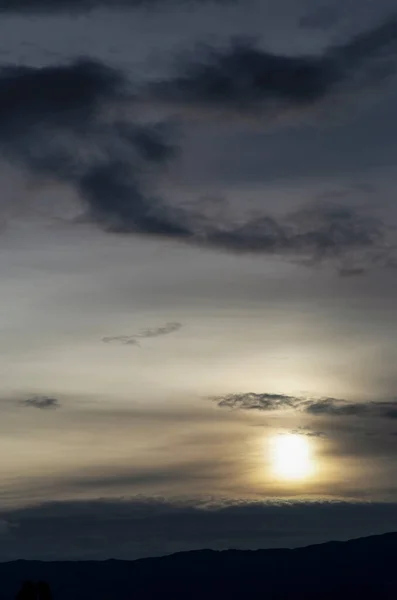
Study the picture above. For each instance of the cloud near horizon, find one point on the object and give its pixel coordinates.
(139, 526)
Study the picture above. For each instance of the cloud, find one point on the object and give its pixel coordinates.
(331, 407)
(58, 95)
(322, 17)
(41, 402)
(51, 6)
(139, 526)
(78, 124)
(351, 271)
(308, 432)
(158, 331)
(342, 408)
(127, 340)
(72, 123)
(186, 473)
(245, 80)
(249, 81)
(251, 401)
(334, 407)
(5, 527)
(132, 340)
(315, 233)
(388, 409)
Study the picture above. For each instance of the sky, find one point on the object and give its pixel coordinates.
(198, 275)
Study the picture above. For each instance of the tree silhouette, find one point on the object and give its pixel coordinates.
(27, 591)
(34, 591)
(43, 591)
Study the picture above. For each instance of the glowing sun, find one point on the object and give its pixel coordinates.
(292, 457)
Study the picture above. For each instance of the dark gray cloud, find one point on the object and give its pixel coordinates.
(351, 271)
(51, 6)
(202, 473)
(41, 402)
(77, 124)
(248, 80)
(245, 79)
(151, 332)
(322, 17)
(388, 409)
(4, 527)
(70, 123)
(336, 407)
(308, 432)
(56, 94)
(127, 340)
(137, 527)
(251, 401)
(317, 233)
(158, 331)
(333, 407)
(342, 408)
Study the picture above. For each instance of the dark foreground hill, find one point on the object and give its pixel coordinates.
(362, 568)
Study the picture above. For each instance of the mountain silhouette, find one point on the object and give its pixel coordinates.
(360, 568)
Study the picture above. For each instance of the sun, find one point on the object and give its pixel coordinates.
(292, 457)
